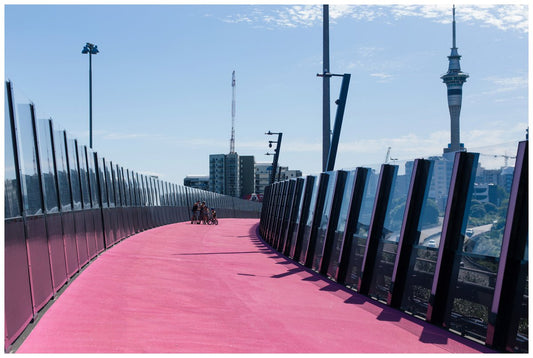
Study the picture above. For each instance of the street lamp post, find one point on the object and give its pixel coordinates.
(91, 49)
(276, 154)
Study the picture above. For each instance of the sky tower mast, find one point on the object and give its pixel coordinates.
(232, 140)
(454, 80)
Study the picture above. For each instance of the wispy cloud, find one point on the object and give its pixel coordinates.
(382, 77)
(503, 17)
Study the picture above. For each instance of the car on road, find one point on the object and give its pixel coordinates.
(469, 232)
(431, 243)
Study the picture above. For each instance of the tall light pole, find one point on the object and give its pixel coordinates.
(276, 154)
(326, 126)
(91, 49)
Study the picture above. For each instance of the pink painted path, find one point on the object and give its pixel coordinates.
(187, 288)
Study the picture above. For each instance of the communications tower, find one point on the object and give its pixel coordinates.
(232, 140)
(454, 80)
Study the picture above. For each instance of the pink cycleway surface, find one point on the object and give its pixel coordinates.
(185, 288)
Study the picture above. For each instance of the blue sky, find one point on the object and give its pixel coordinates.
(162, 79)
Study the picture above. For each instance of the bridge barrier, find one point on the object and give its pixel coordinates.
(401, 240)
(65, 204)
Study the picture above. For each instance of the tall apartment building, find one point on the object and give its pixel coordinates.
(246, 170)
(197, 181)
(263, 172)
(231, 174)
(262, 176)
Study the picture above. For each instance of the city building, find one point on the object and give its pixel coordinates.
(263, 172)
(262, 176)
(284, 173)
(247, 175)
(224, 174)
(197, 181)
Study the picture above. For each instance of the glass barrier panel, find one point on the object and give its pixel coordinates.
(74, 174)
(31, 186)
(11, 185)
(295, 217)
(116, 184)
(121, 182)
(134, 190)
(93, 184)
(425, 253)
(62, 170)
(479, 256)
(307, 229)
(147, 190)
(361, 232)
(84, 177)
(46, 157)
(341, 225)
(103, 184)
(109, 179)
(324, 220)
(126, 186)
(146, 198)
(390, 236)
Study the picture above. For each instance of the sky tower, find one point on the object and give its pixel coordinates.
(454, 80)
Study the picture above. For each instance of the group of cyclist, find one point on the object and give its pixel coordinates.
(201, 213)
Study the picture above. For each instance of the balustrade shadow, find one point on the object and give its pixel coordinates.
(415, 242)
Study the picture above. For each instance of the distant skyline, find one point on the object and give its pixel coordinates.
(162, 80)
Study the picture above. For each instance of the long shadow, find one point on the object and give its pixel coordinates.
(218, 253)
(288, 273)
(430, 334)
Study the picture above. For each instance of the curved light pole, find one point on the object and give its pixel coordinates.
(276, 154)
(91, 49)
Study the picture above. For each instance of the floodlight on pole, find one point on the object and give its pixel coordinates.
(276, 154)
(90, 49)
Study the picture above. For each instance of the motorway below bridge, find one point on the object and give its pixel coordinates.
(185, 288)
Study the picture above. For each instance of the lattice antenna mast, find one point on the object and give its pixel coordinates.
(232, 140)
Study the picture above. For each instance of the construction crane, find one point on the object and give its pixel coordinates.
(506, 157)
(232, 140)
(388, 155)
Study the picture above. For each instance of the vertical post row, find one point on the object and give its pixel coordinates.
(333, 221)
(453, 233)
(298, 187)
(511, 280)
(285, 217)
(308, 192)
(386, 180)
(317, 214)
(410, 234)
(359, 185)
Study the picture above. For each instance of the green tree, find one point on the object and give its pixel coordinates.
(430, 215)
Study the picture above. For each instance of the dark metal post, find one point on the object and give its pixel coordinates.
(452, 237)
(410, 234)
(375, 231)
(308, 192)
(293, 215)
(358, 191)
(341, 105)
(317, 215)
(286, 214)
(90, 49)
(90, 101)
(511, 280)
(275, 161)
(326, 131)
(333, 221)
